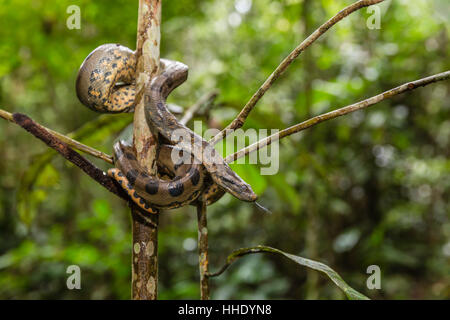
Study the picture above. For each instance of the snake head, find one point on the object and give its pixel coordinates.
(234, 184)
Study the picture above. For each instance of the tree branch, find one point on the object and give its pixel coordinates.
(147, 55)
(144, 281)
(339, 112)
(67, 140)
(203, 259)
(54, 142)
(242, 116)
(208, 98)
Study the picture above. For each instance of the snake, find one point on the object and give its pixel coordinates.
(106, 83)
(166, 193)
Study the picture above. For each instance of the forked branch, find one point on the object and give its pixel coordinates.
(242, 116)
(337, 113)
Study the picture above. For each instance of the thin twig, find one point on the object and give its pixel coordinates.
(67, 140)
(203, 259)
(337, 113)
(242, 116)
(207, 99)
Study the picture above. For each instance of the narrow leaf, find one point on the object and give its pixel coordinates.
(351, 293)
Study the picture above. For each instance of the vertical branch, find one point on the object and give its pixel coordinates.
(311, 236)
(147, 55)
(203, 250)
(144, 281)
(144, 259)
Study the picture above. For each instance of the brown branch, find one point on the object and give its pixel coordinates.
(147, 55)
(144, 281)
(203, 259)
(54, 142)
(144, 272)
(67, 140)
(242, 116)
(337, 113)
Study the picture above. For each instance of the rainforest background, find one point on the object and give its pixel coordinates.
(369, 188)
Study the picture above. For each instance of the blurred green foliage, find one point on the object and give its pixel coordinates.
(369, 188)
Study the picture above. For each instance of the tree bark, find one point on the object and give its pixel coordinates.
(144, 281)
(145, 256)
(203, 259)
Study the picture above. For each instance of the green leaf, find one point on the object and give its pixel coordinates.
(351, 293)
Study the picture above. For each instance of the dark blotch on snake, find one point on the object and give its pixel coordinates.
(151, 187)
(131, 176)
(104, 59)
(195, 177)
(175, 188)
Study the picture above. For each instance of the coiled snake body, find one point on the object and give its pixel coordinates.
(105, 83)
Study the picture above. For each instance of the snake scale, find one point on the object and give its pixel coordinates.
(106, 83)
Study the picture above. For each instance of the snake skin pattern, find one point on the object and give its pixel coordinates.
(155, 192)
(159, 117)
(105, 83)
(99, 78)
